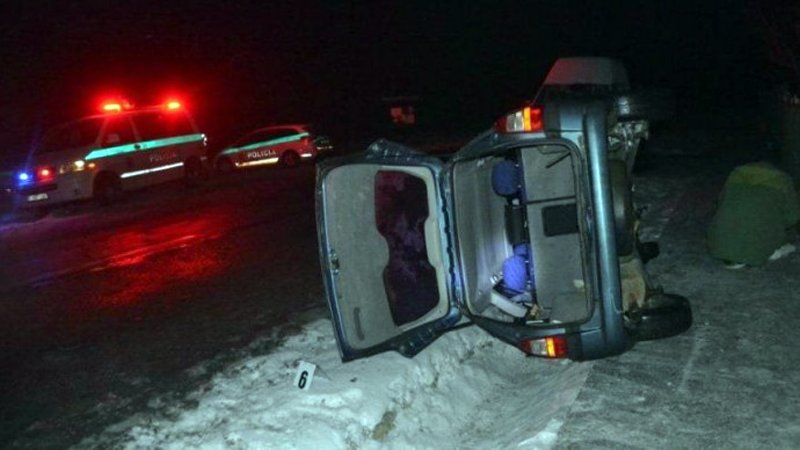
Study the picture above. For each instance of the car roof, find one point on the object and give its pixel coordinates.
(302, 126)
(127, 112)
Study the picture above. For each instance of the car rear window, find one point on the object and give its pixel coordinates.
(159, 125)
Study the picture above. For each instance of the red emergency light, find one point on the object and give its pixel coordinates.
(111, 107)
(172, 105)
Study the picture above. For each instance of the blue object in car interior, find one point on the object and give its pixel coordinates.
(507, 182)
(515, 273)
(506, 179)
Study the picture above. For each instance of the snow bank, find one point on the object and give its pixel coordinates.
(466, 390)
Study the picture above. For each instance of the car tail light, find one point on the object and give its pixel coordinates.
(549, 347)
(525, 120)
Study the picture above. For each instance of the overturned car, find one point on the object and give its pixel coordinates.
(528, 232)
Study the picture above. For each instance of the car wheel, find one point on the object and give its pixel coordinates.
(622, 203)
(193, 172)
(664, 315)
(107, 189)
(290, 158)
(224, 165)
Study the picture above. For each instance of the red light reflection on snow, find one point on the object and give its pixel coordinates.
(176, 253)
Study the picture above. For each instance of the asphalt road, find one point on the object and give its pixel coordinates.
(102, 310)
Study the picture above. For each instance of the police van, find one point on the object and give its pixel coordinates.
(100, 156)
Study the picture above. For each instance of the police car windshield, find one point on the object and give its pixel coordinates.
(75, 134)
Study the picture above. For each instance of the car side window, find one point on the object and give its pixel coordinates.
(258, 136)
(285, 132)
(118, 132)
(73, 135)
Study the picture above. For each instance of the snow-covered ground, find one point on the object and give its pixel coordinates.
(731, 381)
(467, 390)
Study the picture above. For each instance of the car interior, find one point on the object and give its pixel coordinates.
(519, 236)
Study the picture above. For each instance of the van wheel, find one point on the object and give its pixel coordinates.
(107, 189)
(290, 158)
(224, 165)
(193, 171)
(663, 315)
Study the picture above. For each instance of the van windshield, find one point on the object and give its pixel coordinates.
(71, 135)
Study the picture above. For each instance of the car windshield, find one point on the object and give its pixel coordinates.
(71, 135)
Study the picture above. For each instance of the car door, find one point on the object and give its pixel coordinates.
(255, 149)
(168, 139)
(120, 146)
(385, 251)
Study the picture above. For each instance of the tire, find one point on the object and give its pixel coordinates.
(224, 165)
(622, 203)
(107, 189)
(665, 315)
(651, 105)
(290, 158)
(193, 171)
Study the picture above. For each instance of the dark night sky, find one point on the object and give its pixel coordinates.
(242, 64)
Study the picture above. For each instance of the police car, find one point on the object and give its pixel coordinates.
(100, 156)
(284, 144)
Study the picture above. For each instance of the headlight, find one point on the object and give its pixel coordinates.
(74, 166)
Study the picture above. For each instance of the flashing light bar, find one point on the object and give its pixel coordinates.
(172, 105)
(23, 176)
(526, 120)
(549, 347)
(112, 107)
(115, 105)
